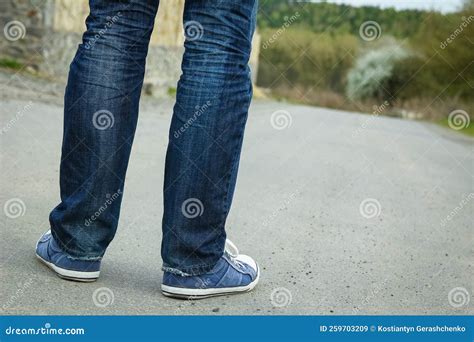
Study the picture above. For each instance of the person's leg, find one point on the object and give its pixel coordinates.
(100, 116)
(206, 133)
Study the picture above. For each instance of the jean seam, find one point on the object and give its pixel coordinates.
(234, 157)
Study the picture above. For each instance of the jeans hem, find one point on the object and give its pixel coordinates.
(190, 271)
(70, 253)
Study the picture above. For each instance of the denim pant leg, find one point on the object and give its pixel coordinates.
(100, 116)
(206, 133)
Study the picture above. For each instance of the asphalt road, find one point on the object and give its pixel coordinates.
(345, 213)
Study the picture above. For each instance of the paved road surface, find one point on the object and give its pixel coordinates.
(346, 213)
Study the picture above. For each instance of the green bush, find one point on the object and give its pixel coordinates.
(446, 47)
(296, 57)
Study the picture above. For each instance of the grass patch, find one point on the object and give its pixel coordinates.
(10, 64)
(469, 130)
(171, 91)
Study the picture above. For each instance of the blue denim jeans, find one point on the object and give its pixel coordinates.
(205, 137)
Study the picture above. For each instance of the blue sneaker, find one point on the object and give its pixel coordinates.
(48, 251)
(233, 273)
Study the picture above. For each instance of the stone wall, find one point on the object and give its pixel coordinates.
(24, 28)
(52, 30)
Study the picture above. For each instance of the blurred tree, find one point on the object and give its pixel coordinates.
(339, 19)
(371, 76)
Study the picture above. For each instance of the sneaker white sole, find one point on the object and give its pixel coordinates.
(185, 293)
(70, 275)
